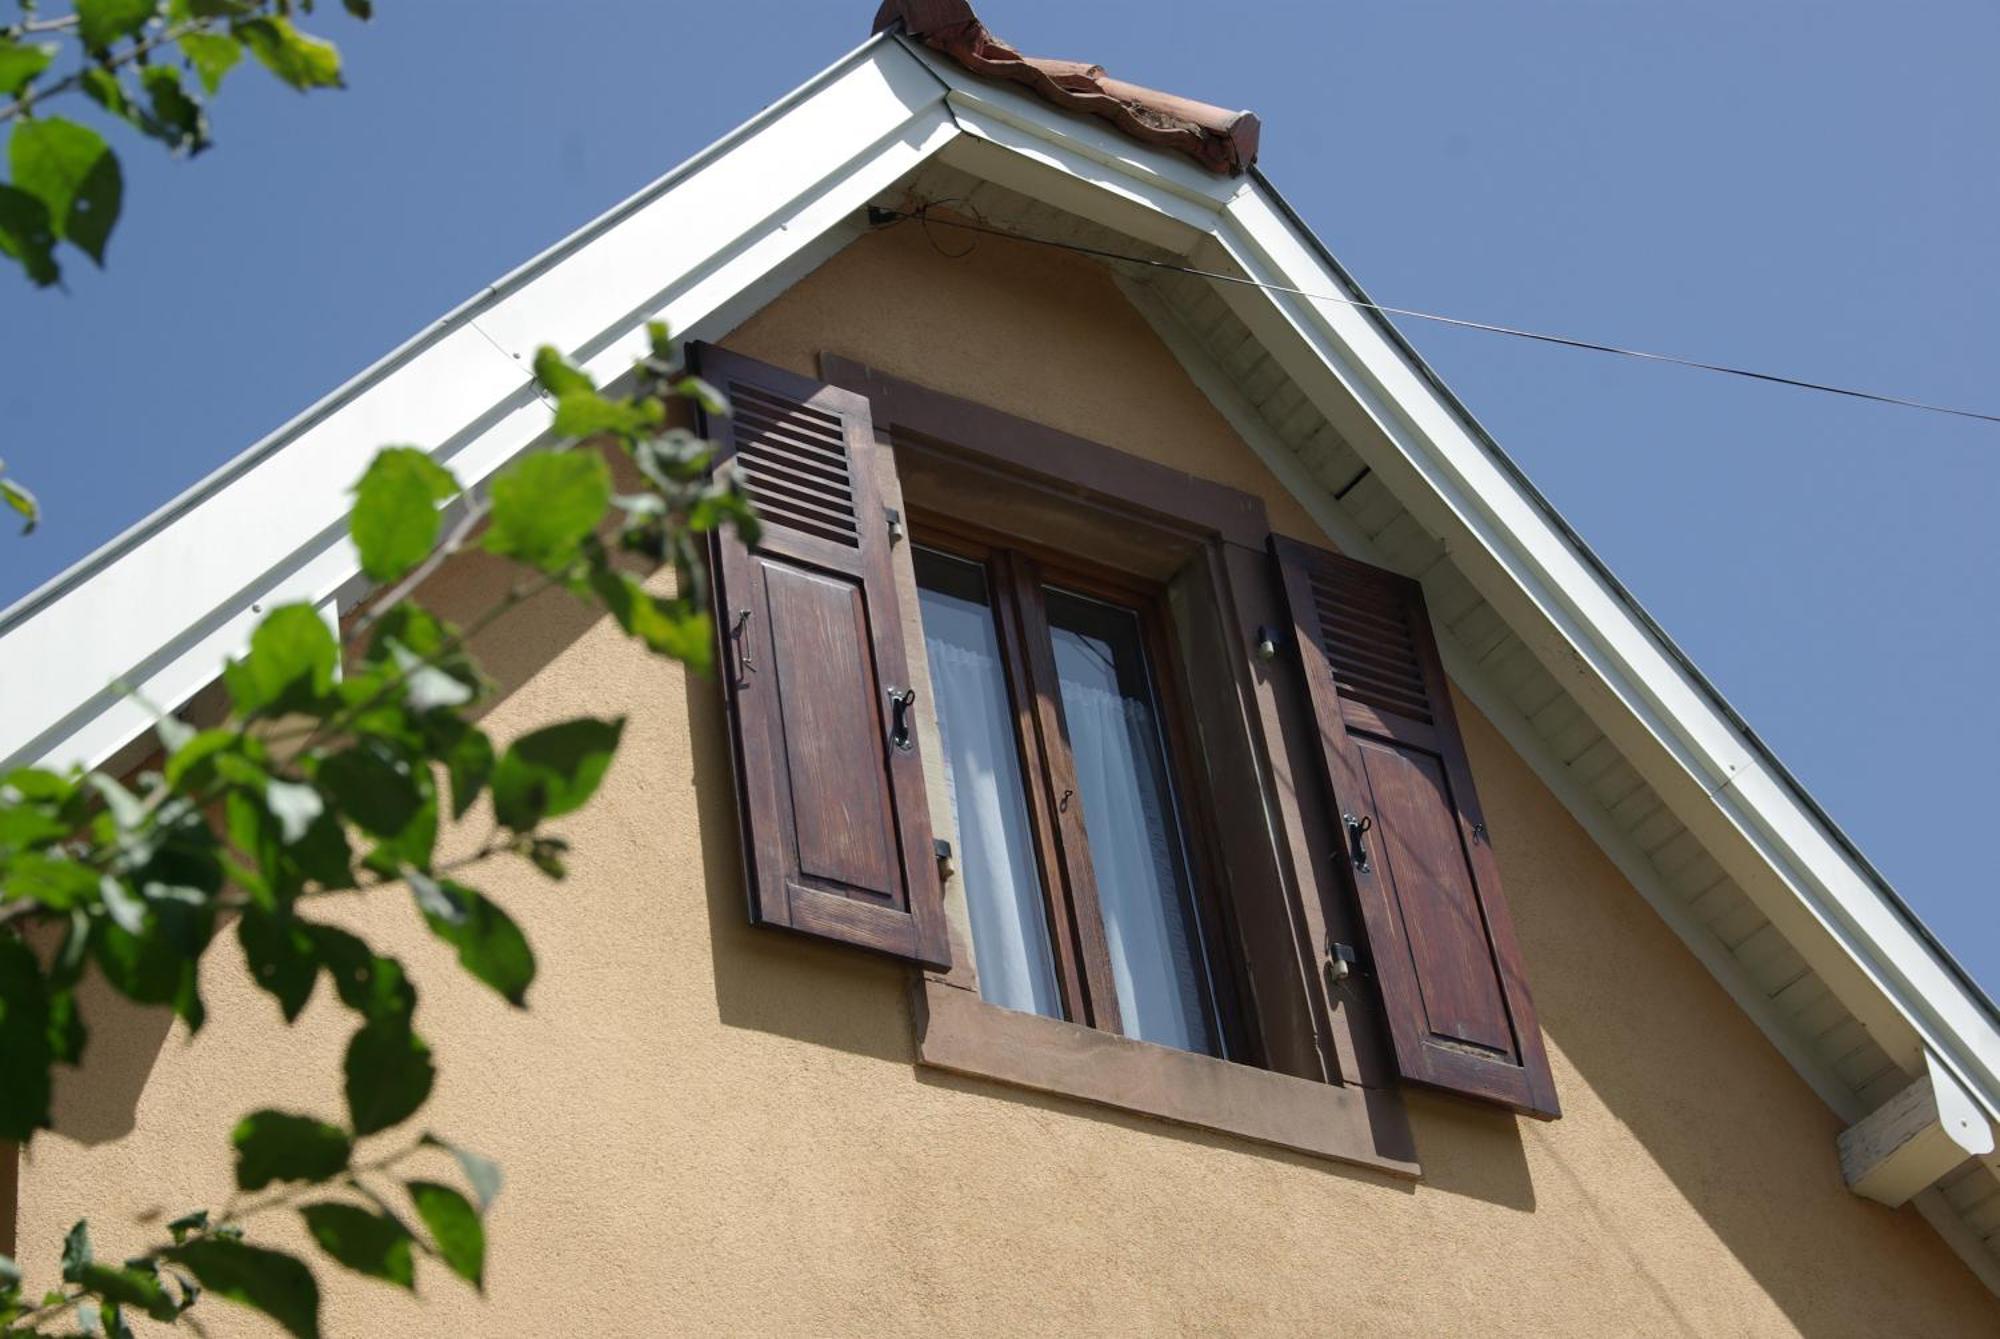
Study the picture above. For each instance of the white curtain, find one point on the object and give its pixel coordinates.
(1010, 938)
(1134, 848)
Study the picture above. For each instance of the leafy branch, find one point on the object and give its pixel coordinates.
(339, 759)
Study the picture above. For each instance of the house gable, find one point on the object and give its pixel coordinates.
(1369, 448)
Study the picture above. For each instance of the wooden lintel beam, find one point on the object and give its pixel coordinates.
(1914, 1138)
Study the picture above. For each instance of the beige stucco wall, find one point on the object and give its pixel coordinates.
(712, 1129)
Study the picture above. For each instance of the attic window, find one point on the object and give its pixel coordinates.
(1047, 652)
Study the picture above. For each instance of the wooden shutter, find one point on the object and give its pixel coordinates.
(836, 833)
(1440, 940)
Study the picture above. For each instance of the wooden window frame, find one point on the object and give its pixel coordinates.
(1017, 576)
(1329, 1087)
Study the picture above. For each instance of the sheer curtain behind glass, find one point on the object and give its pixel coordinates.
(1128, 814)
(1010, 934)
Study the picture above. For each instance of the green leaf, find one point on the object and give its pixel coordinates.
(554, 374)
(177, 119)
(76, 1254)
(675, 627)
(126, 908)
(19, 63)
(280, 955)
(303, 62)
(212, 55)
(481, 1173)
(395, 521)
(24, 1040)
(367, 1243)
(546, 504)
(103, 88)
(28, 236)
(290, 664)
(490, 945)
(67, 1033)
(127, 1287)
(17, 498)
(384, 795)
(52, 880)
(586, 413)
(194, 1221)
(455, 1229)
(213, 755)
(101, 22)
(553, 771)
(73, 172)
(27, 828)
(374, 987)
(271, 1281)
(389, 1074)
(468, 760)
(160, 965)
(278, 1146)
(360, 9)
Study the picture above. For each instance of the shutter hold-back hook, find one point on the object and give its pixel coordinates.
(899, 717)
(744, 665)
(1357, 833)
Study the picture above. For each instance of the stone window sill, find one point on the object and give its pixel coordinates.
(958, 1031)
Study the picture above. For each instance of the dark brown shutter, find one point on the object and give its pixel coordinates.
(836, 835)
(1440, 940)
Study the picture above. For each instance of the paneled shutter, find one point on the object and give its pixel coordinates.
(836, 835)
(1440, 940)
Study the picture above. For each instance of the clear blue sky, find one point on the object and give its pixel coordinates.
(1810, 188)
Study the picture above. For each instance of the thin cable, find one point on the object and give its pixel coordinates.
(1563, 340)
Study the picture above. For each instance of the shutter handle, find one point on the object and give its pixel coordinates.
(900, 701)
(1357, 833)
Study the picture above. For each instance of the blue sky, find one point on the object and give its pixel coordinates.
(1807, 188)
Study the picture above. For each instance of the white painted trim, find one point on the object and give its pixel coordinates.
(700, 249)
(1919, 1135)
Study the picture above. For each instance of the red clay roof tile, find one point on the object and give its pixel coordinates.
(1219, 139)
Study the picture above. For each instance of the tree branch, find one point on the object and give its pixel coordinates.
(139, 50)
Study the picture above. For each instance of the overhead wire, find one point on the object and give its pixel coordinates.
(922, 216)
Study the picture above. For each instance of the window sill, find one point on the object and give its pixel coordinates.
(958, 1031)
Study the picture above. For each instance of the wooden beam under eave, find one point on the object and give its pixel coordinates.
(1914, 1138)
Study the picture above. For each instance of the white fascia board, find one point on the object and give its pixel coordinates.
(160, 608)
(1085, 149)
(1488, 510)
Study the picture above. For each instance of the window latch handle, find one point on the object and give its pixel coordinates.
(900, 701)
(1357, 843)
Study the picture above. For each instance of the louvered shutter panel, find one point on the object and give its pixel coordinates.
(836, 833)
(1440, 939)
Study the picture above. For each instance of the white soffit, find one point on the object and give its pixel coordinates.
(713, 240)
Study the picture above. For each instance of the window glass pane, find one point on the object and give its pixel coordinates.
(982, 767)
(1136, 850)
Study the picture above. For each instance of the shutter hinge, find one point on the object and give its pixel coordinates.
(1479, 833)
(894, 519)
(942, 850)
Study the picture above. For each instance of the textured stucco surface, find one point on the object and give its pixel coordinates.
(712, 1129)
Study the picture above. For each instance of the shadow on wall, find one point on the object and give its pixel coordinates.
(1668, 1056)
(99, 1102)
(770, 980)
